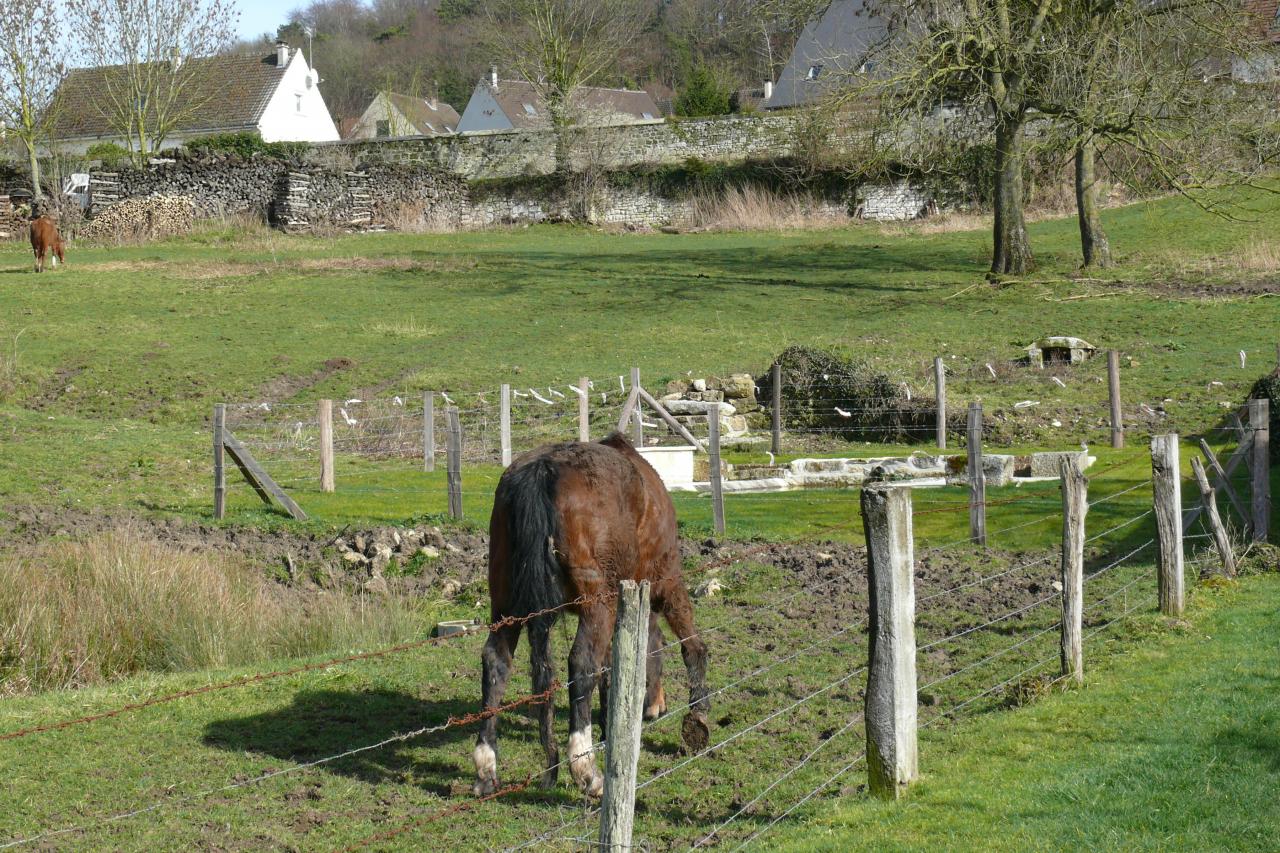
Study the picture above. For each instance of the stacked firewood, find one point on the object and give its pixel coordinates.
(142, 218)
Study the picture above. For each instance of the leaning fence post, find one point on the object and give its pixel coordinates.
(977, 478)
(1260, 467)
(326, 446)
(454, 464)
(1113, 391)
(504, 419)
(584, 409)
(1208, 497)
(219, 466)
(622, 723)
(1167, 488)
(940, 389)
(713, 450)
(776, 443)
(891, 671)
(1075, 504)
(428, 430)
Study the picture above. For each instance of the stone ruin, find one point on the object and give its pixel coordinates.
(688, 400)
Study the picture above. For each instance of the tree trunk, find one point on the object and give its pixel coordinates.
(1011, 253)
(36, 195)
(1094, 246)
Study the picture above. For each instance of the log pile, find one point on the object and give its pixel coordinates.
(147, 217)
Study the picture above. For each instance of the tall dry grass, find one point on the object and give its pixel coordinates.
(77, 613)
(752, 208)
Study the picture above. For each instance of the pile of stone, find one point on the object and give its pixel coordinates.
(142, 218)
(372, 551)
(688, 400)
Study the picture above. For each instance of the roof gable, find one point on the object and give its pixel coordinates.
(427, 118)
(830, 46)
(227, 92)
(525, 108)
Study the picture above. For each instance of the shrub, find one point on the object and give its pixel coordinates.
(76, 613)
(1268, 388)
(108, 152)
(246, 145)
(816, 382)
(703, 95)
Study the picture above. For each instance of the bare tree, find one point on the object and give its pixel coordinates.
(559, 46)
(30, 71)
(149, 56)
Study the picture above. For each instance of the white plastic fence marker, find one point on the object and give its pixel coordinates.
(891, 672)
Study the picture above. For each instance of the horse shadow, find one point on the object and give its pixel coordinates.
(323, 723)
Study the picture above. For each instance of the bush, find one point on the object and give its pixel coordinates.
(77, 613)
(1268, 388)
(245, 145)
(108, 152)
(815, 382)
(703, 95)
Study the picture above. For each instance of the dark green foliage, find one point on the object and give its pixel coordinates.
(455, 10)
(1268, 388)
(703, 95)
(815, 382)
(245, 145)
(108, 152)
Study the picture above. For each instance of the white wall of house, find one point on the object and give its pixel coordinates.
(296, 112)
(483, 112)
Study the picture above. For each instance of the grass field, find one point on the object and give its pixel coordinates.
(110, 367)
(1172, 747)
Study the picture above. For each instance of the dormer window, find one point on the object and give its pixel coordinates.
(530, 110)
(814, 72)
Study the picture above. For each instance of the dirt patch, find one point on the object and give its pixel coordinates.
(1266, 286)
(284, 387)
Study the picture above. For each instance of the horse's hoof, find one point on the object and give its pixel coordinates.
(595, 790)
(485, 787)
(695, 733)
(657, 708)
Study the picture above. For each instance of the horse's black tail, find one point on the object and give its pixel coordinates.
(533, 524)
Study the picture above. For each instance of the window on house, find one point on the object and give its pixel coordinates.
(814, 71)
(383, 128)
(647, 115)
(529, 110)
(297, 101)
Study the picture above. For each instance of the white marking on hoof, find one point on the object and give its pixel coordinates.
(582, 763)
(659, 706)
(486, 763)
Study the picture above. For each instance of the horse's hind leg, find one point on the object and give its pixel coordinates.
(590, 648)
(655, 700)
(543, 675)
(678, 611)
(496, 662)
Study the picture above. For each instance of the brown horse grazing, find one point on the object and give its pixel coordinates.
(569, 522)
(45, 239)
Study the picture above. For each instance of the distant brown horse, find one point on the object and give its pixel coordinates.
(569, 522)
(45, 239)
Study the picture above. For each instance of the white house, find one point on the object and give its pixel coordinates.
(393, 114)
(277, 95)
(498, 105)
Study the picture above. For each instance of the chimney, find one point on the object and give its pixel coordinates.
(493, 76)
(768, 89)
(282, 53)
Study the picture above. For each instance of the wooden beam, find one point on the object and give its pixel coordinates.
(1220, 537)
(259, 478)
(670, 420)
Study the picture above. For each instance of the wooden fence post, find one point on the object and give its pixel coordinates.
(504, 420)
(326, 446)
(1208, 497)
(584, 409)
(219, 463)
(891, 671)
(622, 723)
(428, 430)
(454, 464)
(713, 449)
(940, 390)
(977, 478)
(776, 443)
(636, 417)
(1260, 467)
(1075, 504)
(1113, 389)
(1167, 486)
